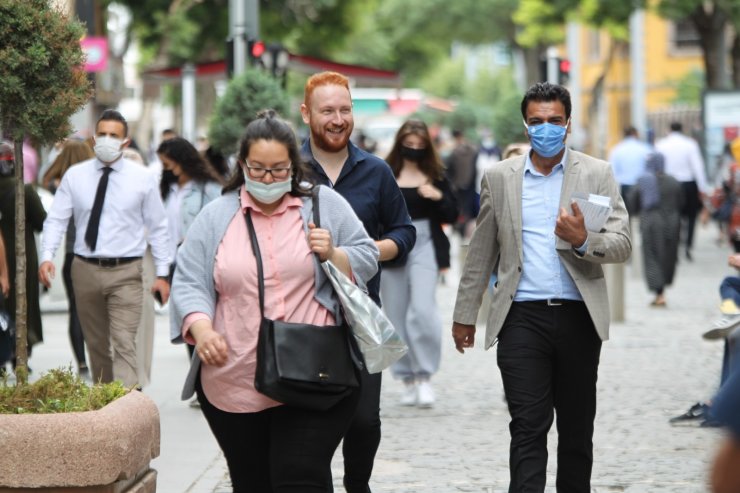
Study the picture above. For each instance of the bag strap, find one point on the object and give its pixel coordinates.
(315, 202)
(258, 257)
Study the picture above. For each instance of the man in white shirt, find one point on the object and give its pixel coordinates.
(683, 161)
(628, 160)
(117, 208)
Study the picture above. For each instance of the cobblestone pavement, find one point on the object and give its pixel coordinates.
(654, 367)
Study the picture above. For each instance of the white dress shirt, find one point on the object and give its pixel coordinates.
(683, 159)
(132, 208)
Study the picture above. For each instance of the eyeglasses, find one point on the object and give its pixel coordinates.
(277, 173)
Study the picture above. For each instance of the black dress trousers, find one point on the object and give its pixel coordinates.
(549, 358)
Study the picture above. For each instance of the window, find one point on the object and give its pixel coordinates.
(685, 35)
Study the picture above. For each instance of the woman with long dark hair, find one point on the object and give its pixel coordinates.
(408, 290)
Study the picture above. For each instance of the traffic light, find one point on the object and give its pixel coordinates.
(255, 50)
(563, 71)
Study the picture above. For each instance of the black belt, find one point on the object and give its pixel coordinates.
(553, 302)
(107, 262)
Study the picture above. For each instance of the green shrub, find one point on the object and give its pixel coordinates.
(246, 95)
(57, 391)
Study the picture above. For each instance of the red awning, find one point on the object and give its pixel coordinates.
(363, 76)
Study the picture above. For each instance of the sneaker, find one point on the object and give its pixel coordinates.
(410, 394)
(722, 327)
(426, 395)
(695, 413)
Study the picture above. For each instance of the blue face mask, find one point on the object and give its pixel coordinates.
(547, 139)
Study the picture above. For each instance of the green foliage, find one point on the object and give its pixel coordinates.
(542, 21)
(490, 100)
(447, 80)
(689, 89)
(246, 95)
(58, 391)
(40, 58)
(179, 31)
(315, 28)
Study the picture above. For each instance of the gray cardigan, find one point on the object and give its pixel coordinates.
(193, 288)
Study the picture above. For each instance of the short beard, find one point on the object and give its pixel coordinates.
(317, 138)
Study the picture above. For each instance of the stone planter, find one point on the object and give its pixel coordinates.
(104, 451)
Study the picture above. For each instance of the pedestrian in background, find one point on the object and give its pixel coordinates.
(628, 160)
(35, 215)
(268, 446)
(461, 171)
(408, 287)
(113, 227)
(549, 311)
(367, 183)
(73, 152)
(188, 183)
(658, 199)
(683, 161)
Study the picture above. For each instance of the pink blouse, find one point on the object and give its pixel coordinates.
(289, 273)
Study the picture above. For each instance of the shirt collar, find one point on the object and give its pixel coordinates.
(246, 202)
(355, 155)
(529, 166)
(116, 165)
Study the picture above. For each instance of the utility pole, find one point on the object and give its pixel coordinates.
(637, 72)
(243, 25)
(188, 102)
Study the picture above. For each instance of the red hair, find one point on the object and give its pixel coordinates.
(323, 79)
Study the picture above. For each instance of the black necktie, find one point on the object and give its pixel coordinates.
(91, 235)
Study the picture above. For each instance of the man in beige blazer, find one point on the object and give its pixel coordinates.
(549, 311)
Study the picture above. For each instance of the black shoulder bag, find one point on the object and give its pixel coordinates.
(302, 365)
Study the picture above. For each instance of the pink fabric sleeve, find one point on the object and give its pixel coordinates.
(189, 320)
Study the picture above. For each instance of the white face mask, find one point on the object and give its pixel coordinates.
(108, 149)
(267, 193)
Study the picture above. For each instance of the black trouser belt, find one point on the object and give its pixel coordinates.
(107, 262)
(553, 302)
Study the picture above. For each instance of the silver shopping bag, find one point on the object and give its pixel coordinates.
(378, 341)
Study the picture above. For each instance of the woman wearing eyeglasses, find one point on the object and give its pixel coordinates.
(268, 446)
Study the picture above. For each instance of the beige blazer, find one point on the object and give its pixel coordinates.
(498, 233)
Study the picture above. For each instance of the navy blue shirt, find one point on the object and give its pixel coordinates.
(368, 184)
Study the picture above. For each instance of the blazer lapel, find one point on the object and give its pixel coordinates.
(514, 183)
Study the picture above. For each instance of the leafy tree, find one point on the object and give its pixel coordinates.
(40, 59)
(246, 95)
(689, 88)
(710, 18)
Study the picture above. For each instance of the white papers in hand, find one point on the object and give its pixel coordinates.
(595, 208)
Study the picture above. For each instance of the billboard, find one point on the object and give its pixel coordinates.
(721, 117)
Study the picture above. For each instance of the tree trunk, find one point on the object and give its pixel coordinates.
(711, 28)
(21, 328)
(596, 142)
(736, 60)
(533, 61)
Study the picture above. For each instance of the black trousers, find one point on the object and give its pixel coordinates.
(363, 436)
(282, 449)
(691, 208)
(549, 358)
